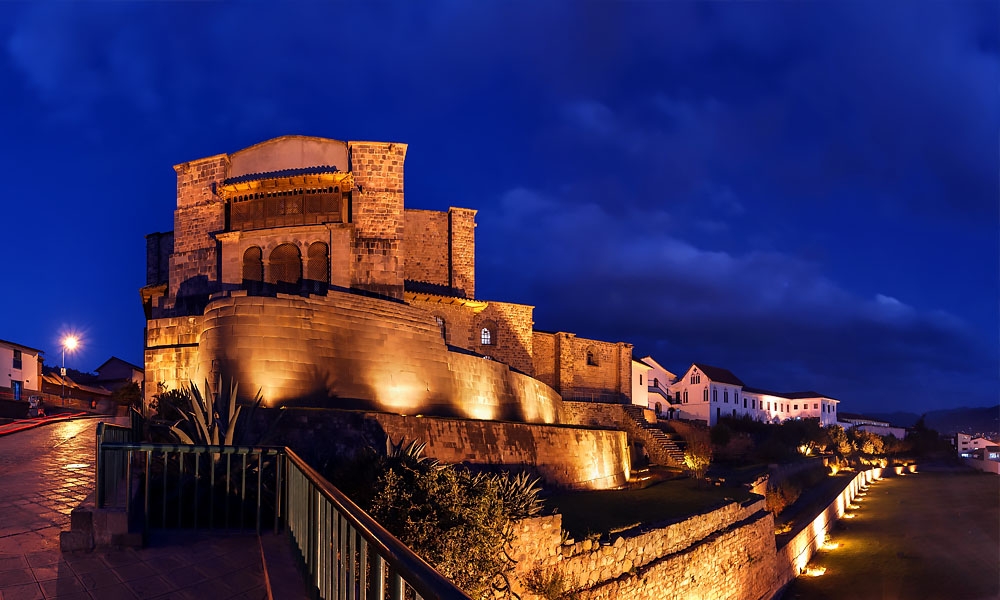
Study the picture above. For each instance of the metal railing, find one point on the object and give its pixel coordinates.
(346, 555)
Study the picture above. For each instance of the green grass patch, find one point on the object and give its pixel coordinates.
(604, 512)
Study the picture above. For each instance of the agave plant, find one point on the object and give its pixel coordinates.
(410, 453)
(520, 495)
(208, 426)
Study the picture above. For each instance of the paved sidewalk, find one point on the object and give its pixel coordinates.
(45, 473)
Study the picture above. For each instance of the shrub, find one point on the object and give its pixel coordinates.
(461, 523)
(551, 585)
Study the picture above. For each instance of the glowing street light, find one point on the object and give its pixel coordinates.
(70, 342)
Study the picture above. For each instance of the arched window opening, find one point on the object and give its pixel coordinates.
(253, 264)
(591, 357)
(285, 265)
(486, 336)
(319, 262)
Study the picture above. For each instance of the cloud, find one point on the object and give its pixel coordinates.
(775, 319)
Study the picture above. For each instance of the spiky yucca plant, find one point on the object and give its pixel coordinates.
(209, 427)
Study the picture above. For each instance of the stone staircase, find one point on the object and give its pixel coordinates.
(662, 447)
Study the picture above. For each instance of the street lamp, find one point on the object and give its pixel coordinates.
(70, 342)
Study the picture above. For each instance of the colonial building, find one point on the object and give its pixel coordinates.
(708, 393)
(294, 268)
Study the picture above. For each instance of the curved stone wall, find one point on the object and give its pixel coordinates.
(345, 350)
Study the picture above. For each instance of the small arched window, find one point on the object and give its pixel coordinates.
(443, 327)
(592, 357)
(486, 336)
(253, 264)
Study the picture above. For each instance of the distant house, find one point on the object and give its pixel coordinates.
(876, 426)
(966, 444)
(115, 373)
(20, 371)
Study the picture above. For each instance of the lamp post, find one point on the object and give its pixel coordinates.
(70, 342)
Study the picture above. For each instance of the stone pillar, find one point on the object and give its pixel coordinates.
(377, 216)
(200, 213)
(564, 363)
(462, 251)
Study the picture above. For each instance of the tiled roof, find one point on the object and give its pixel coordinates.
(282, 173)
(719, 374)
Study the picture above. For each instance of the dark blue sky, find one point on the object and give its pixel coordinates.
(806, 194)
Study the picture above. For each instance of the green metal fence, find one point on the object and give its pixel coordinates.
(345, 554)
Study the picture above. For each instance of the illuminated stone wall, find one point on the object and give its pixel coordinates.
(571, 457)
(199, 214)
(377, 215)
(561, 361)
(171, 355)
(344, 349)
(727, 553)
(425, 247)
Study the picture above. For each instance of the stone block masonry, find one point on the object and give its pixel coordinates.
(726, 553)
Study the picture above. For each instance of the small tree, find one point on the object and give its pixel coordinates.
(698, 452)
(128, 395)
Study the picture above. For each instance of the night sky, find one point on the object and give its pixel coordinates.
(806, 194)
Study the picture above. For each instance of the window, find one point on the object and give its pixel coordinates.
(253, 264)
(319, 262)
(704, 395)
(285, 265)
(753, 403)
(592, 360)
(715, 396)
(685, 396)
(725, 396)
(486, 337)
(744, 402)
(15, 388)
(656, 382)
(442, 327)
(679, 396)
(796, 407)
(17, 359)
(659, 409)
(640, 379)
(815, 406)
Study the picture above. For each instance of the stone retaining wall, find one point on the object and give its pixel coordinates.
(725, 553)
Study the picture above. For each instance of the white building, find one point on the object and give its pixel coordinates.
(660, 395)
(708, 393)
(640, 380)
(863, 423)
(20, 371)
(965, 444)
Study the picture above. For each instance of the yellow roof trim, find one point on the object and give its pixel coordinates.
(477, 306)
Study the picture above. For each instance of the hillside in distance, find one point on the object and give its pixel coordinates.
(950, 421)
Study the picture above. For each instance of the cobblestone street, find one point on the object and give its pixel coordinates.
(47, 471)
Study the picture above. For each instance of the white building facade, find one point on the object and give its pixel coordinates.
(20, 371)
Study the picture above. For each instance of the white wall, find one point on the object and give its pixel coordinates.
(27, 374)
(640, 381)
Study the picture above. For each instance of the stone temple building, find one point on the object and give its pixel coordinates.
(295, 268)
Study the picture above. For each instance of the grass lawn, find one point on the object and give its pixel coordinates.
(602, 512)
(933, 535)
